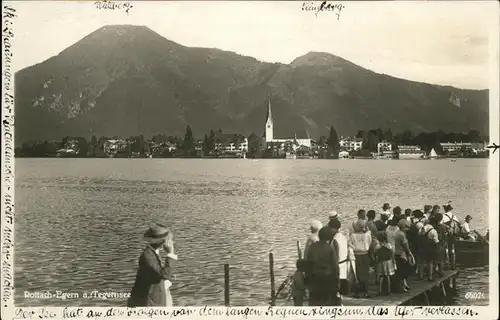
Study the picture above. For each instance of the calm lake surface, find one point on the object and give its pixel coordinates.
(80, 222)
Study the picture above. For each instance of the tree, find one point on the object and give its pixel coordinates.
(474, 136)
(322, 141)
(64, 141)
(188, 144)
(380, 135)
(408, 137)
(93, 145)
(370, 142)
(333, 143)
(255, 146)
(211, 140)
(83, 146)
(206, 146)
(142, 144)
(388, 135)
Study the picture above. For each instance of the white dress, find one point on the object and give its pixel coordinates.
(167, 283)
(343, 255)
(168, 296)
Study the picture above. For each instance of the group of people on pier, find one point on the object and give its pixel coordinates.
(337, 260)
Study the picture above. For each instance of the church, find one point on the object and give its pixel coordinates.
(270, 132)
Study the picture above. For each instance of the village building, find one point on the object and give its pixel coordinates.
(114, 146)
(231, 143)
(351, 144)
(410, 152)
(456, 146)
(384, 146)
(343, 154)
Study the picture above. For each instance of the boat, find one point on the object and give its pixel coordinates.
(433, 154)
(472, 251)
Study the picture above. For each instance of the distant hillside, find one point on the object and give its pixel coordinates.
(129, 80)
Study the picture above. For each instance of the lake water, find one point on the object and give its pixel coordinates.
(80, 222)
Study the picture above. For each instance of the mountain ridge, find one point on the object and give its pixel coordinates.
(129, 80)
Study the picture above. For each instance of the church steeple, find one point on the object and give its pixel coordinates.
(269, 122)
(269, 118)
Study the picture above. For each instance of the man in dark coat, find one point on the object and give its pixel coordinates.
(153, 278)
(323, 271)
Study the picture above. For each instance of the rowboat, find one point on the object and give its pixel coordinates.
(472, 251)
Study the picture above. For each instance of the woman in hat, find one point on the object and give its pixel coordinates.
(313, 236)
(334, 215)
(361, 241)
(153, 278)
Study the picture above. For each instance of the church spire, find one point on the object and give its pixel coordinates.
(269, 118)
(269, 122)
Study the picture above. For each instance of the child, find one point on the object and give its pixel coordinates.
(298, 283)
(361, 241)
(384, 255)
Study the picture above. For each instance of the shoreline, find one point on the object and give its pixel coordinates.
(242, 158)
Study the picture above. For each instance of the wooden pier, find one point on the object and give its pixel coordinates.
(423, 292)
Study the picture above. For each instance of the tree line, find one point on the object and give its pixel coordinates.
(327, 146)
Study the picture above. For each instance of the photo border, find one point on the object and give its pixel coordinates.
(9, 310)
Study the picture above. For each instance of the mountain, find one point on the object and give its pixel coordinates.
(127, 80)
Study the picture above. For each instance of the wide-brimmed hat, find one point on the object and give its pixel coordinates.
(359, 226)
(333, 214)
(157, 233)
(386, 206)
(447, 207)
(316, 225)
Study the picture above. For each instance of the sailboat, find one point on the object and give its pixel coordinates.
(433, 154)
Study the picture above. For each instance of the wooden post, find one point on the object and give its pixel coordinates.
(299, 252)
(452, 256)
(271, 274)
(454, 282)
(226, 285)
(443, 288)
(426, 298)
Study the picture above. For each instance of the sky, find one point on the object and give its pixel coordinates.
(447, 43)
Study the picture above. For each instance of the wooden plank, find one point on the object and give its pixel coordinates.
(418, 287)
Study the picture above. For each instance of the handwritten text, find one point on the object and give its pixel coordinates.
(112, 5)
(323, 6)
(8, 14)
